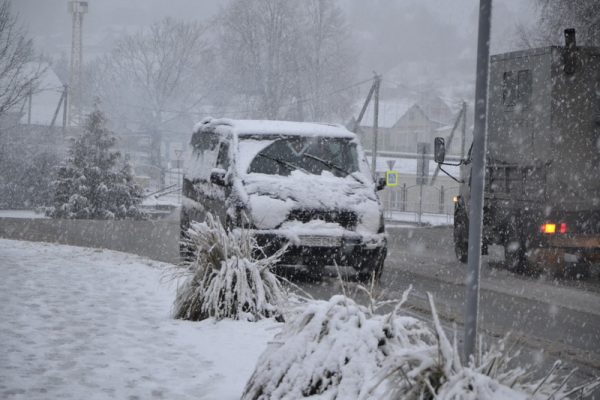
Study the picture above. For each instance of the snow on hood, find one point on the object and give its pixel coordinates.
(272, 197)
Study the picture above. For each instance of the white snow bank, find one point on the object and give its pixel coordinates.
(79, 323)
(21, 214)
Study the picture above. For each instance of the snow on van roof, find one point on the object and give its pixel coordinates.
(268, 127)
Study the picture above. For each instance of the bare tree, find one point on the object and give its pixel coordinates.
(327, 60)
(556, 15)
(16, 50)
(258, 42)
(282, 58)
(154, 76)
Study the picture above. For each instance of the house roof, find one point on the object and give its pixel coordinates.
(390, 111)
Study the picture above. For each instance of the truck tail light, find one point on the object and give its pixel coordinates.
(563, 227)
(549, 228)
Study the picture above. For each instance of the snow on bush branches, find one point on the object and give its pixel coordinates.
(338, 349)
(92, 184)
(225, 280)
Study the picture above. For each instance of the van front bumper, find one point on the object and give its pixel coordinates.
(351, 251)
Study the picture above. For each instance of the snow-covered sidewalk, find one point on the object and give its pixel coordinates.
(78, 323)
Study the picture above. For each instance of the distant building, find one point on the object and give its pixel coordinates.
(403, 123)
(35, 124)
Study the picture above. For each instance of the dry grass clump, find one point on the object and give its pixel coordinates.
(441, 375)
(225, 280)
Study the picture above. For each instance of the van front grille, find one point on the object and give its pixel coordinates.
(346, 219)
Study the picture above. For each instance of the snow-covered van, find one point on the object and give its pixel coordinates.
(307, 185)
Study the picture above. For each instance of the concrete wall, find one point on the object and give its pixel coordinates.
(157, 239)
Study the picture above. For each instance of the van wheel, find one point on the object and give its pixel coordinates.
(461, 235)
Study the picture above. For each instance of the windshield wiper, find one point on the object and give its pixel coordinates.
(332, 166)
(286, 164)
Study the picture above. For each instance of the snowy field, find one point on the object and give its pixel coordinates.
(78, 323)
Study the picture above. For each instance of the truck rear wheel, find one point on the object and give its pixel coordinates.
(461, 235)
(514, 256)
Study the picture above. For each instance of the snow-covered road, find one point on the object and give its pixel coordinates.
(78, 323)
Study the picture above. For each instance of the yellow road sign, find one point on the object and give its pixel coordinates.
(391, 178)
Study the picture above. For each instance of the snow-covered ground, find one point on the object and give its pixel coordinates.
(79, 323)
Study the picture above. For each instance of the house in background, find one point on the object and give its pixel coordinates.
(403, 124)
(35, 125)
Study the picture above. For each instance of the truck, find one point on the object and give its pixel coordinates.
(542, 178)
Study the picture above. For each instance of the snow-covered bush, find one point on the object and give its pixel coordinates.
(92, 183)
(331, 350)
(225, 279)
(441, 375)
(341, 350)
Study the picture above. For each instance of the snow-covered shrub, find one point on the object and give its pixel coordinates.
(225, 279)
(92, 183)
(440, 375)
(341, 350)
(331, 351)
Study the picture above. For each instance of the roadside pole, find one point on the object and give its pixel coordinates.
(477, 179)
(420, 203)
(375, 126)
(463, 133)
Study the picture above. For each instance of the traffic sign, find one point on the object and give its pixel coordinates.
(391, 178)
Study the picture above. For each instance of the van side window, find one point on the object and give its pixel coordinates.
(204, 155)
(223, 157)
(202, 141)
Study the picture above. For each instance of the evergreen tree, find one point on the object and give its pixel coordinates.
(92, 183)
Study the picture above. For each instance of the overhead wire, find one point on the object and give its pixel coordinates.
(247, 111)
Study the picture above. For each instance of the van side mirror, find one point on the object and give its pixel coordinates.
(439, 153)
(381, 183)
(217, 176)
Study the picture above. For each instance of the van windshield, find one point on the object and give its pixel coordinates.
(312, 155)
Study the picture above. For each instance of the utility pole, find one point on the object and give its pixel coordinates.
(77, 9)
(65, 112)
(477, 180)
(463, 135)
(377, 85)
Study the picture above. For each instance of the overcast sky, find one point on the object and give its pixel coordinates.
(400, 38)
